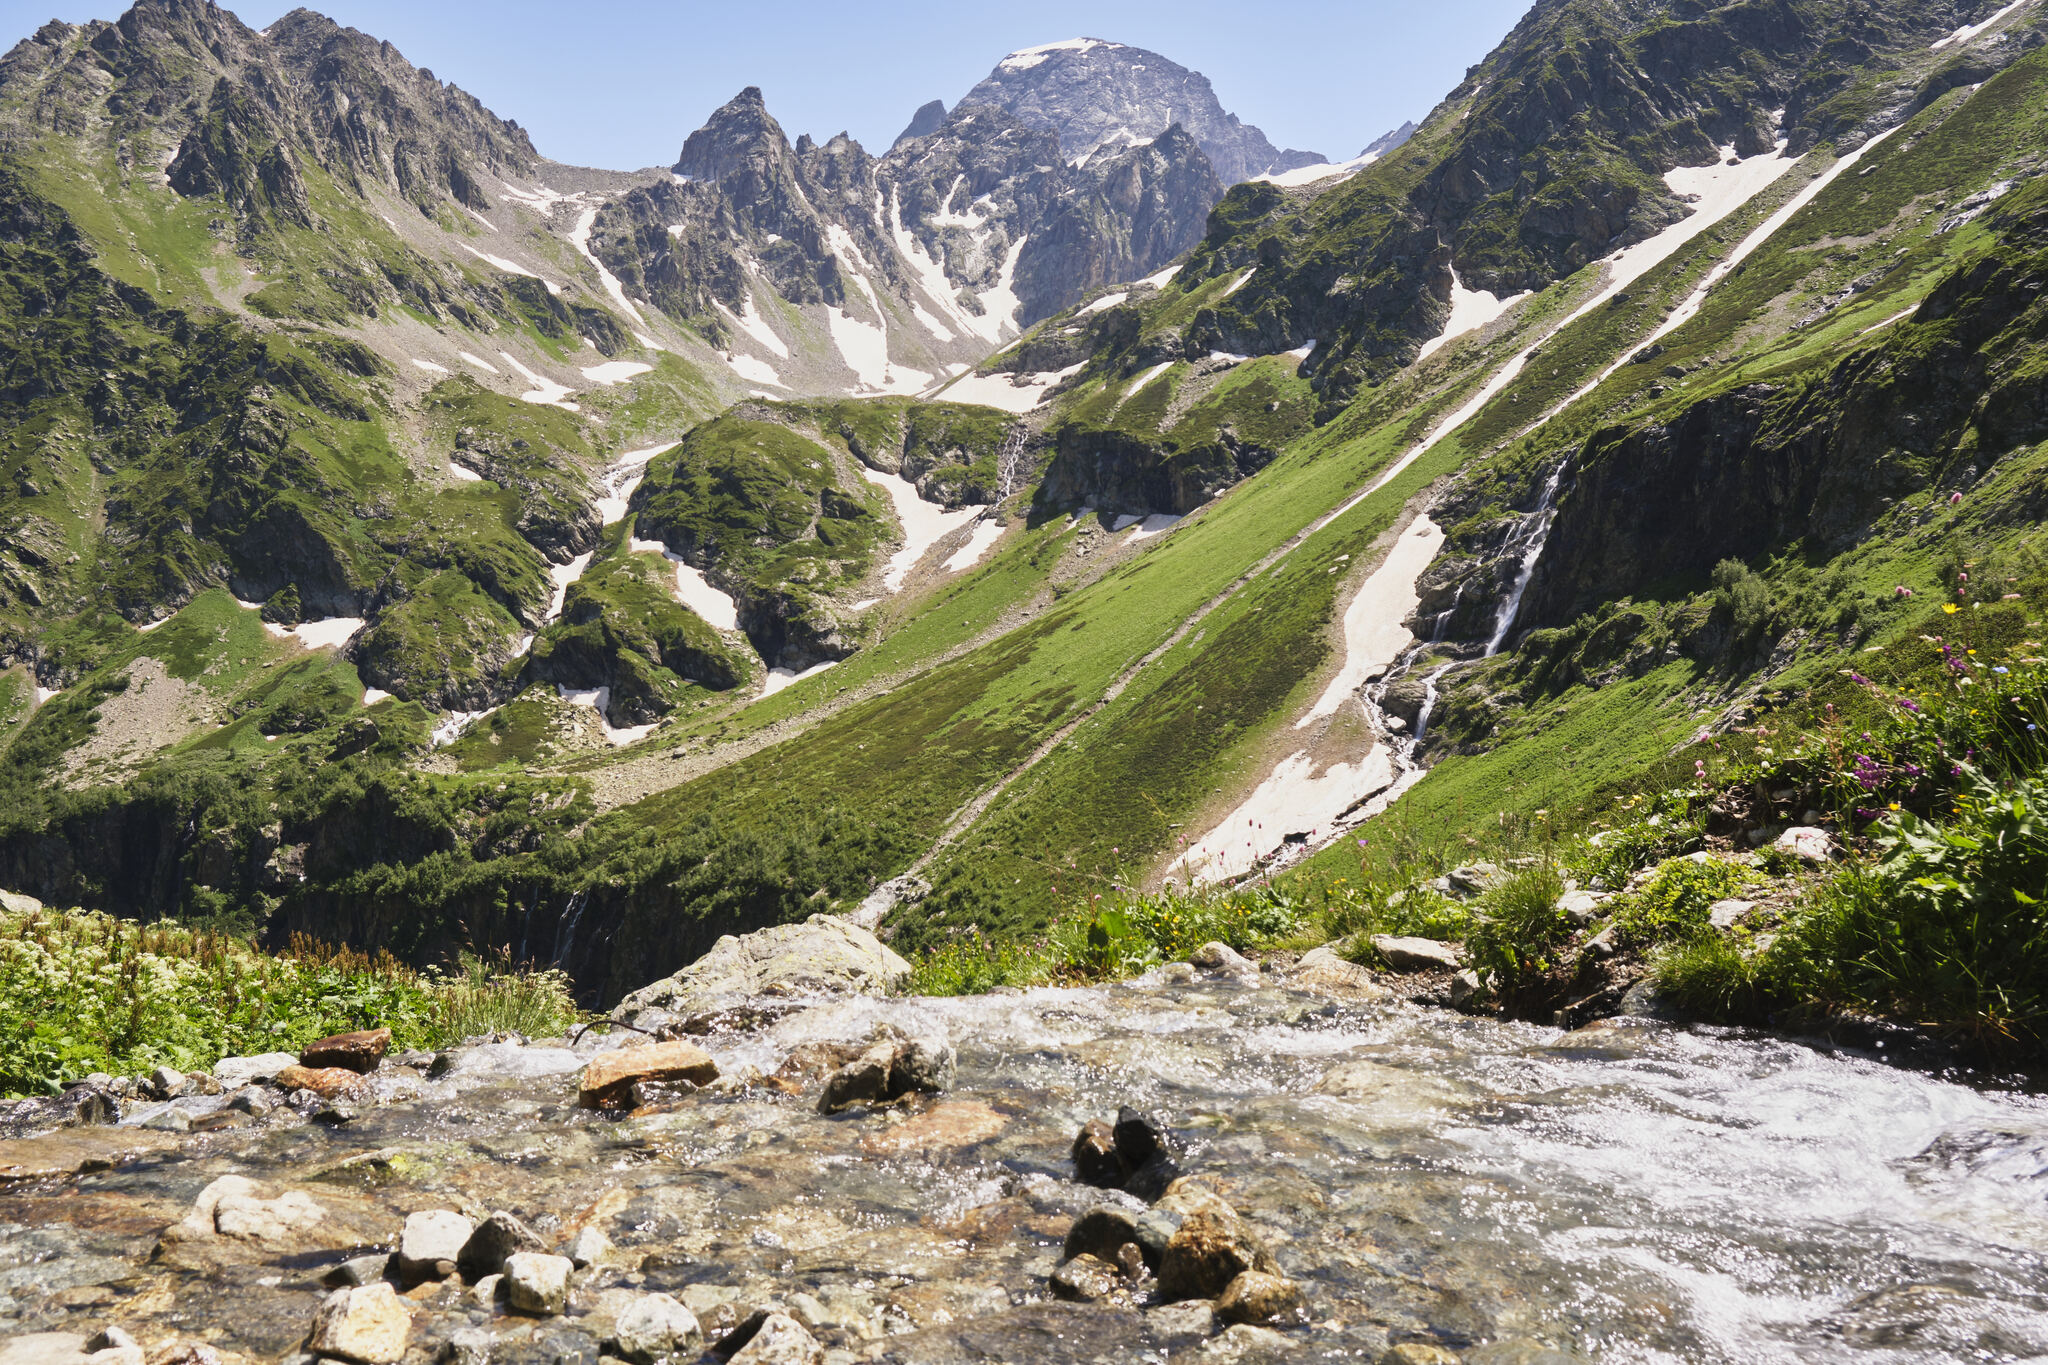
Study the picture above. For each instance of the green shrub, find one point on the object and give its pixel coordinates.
(1135, 933)
(1672, 906)
(975, 964)
(82, 992)
(1949, 928)
(1519, 929)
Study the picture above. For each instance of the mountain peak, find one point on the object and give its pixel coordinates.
(738, 132)
(1101, 97)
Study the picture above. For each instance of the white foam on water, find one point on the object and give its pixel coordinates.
(924, 524)
(615, 371)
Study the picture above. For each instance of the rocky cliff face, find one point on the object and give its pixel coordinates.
(1101, 98)
(934, 254)
(247, 112)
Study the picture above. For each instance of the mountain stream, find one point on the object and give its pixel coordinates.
(1630, 1192)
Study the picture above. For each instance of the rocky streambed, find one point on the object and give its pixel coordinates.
(1409, 1185)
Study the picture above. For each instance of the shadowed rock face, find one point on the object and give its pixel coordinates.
(1101, 97)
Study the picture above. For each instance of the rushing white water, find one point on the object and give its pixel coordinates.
(1530, 539)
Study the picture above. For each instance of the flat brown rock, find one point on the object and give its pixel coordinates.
(359, 1052)
(944, 1127)
(73, 1150)
(609, 1079)
(328, 1082)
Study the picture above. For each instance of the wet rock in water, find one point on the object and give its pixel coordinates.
(167, 1082)
(1326, 968)
(1100, 1232)
(329, 1082)
(1221, 957)
(1155, 1228)
(1256, 1296)
(367, 1326)
(1137, 1154)
(358, 1270)
(769, 1338)
(359, 1052)
(470, 1346)
(537, 1283)
(1416, 954)
(1807, 844)
(609, 1079)
(111, 1339)
(1148, 1154)
(1417, 1353)
(497, 1237)
(1094, 1155)
(588, 1247)
(486, 1292)
(254, 1101)
(655, 1327)
(822, 956)
(864, 1080)
(1176, 1325)
(887, 1072)
(1212, 1246)
(1085, 1279)
(82, 1106)
(235, 1072)
(431, 1245)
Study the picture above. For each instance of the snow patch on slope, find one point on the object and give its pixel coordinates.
(925, 524)
(1471, 309)
(579, 237)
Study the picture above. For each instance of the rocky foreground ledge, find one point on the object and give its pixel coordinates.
(763, 1159)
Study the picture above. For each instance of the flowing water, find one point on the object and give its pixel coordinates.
(1631, 1192)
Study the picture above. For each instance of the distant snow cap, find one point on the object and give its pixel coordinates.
(1024, 58)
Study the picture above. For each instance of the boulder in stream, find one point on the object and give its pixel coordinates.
(654, 1328)
(1139, 1155)
(431, 1245)
(497, 1237)
(609, 1079)
(823, 956)
(1212, 1246)
(537, 1283)
(367, 1326)
(1256, 1296)
(359, 1052)
(889, 1071)
(769, 1338)
(1416, 954)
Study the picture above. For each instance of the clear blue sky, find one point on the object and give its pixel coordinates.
(621, 84)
